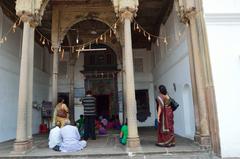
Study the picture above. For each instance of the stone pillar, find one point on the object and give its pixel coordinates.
(21, 142)
(71, 92)
(204, 136)
(209, 89)
(55, 78)
(124, 86)
(30, 84)
(133, 138)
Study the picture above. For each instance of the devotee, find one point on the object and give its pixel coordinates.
(60, 112)
(104, 121)
(55, 138)
(102, 129)
(71, 138)
(165, 130)
(124, 134)
(89, 105)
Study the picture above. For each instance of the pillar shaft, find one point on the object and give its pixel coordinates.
(124, 87)
(55, 77)
(30, 85)
(133, 138)
(21, 143)
(200, 85)
(71, 92)
(23, 86)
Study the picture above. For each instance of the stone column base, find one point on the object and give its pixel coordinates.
(30, 144)
(203, 141)
(133, 142)
(20, 147)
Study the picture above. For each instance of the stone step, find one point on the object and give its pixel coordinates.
(129, 155)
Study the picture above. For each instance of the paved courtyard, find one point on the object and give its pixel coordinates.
(108, 147)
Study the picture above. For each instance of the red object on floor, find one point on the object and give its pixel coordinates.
(43, 128)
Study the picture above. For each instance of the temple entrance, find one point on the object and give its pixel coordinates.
(100, 71)
(102, 105)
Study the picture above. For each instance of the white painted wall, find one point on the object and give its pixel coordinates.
(10, 53)
(223, 29)
(171, 66)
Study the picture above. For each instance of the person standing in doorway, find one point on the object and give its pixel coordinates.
(166, 136)
(89, 105)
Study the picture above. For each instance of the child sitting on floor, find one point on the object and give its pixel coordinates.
(124, 134)
(102, 130)
(80, 125)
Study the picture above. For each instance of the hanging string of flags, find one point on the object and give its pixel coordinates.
(164, 39)
(102, 37)
(137, 27)
(80, 47)
(13, 28)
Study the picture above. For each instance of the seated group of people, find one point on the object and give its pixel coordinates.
(103, 124)
(65, 139)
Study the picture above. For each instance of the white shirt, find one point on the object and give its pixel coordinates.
(71, 139)
(54, 137)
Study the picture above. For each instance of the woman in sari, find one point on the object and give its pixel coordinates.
(60, 112)
(165, 130)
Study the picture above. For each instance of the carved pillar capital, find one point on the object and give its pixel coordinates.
(126, 15)
(33, 23)
(185, 14)
(29, 11)
(121, 6)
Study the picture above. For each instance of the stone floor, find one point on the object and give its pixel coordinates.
(107, 147)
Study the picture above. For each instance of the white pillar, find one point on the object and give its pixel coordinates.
(21, 142)
(30, 84)
(133, 138)
(55, 77)
(71, 91)
(124, 87)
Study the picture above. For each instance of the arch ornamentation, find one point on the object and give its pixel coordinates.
(65, 29)
(116, 47)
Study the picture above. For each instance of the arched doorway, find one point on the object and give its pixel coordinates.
(95, 68)
(100, 71)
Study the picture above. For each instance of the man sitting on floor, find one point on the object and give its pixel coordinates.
(55, 138)
(71, 138)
